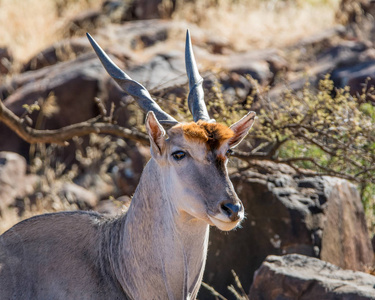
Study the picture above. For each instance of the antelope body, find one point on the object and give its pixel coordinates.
(157, 250)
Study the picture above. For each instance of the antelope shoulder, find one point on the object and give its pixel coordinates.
(60, 250)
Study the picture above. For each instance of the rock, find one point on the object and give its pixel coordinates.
(12, 84)
(261, 65)
(162, 71)
(95, 181)
(6, 60)
(73, 85)
(86, 22)
(12, 173)
(296, 85)
(349, 63)
(218, 45)
(321, 40)
(126, 174)
(13, 179)
(300, 277)
(136, 35)
(234, 86)
(344, 237)
(152, 9)
(286, 213)
(114, 207)
(116, 11)
(76, 194)
(344, 54)
(61, 51)
(355, 76)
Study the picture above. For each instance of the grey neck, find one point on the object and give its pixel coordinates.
(160, 253)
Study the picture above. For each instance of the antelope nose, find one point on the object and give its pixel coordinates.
(233, 211)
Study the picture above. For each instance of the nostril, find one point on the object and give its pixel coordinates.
(231, 210)
(226, 209)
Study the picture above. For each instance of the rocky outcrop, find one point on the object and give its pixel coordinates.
(344, 240)
(286, 213)
(6, 60)
(263, 65)
(350, 63)
(18, 189)
(356, 76)
(349, 60)
(117, 11)
(76, 194)
(13, 179)
(61, 51)
(73, 87)
(300, 277)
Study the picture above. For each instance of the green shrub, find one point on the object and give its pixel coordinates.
(322, 131)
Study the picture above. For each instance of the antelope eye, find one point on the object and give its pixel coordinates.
(178, 155)
(229, 152)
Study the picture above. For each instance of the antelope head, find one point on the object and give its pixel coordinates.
(192, 156)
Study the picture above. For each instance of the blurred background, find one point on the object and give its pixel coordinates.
(30, 26)
(306, 172)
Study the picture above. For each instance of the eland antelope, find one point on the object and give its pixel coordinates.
(157, 250)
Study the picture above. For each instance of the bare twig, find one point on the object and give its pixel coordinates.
(248, 157)
(101, 107)
(110, 117)
(276, 146)
(239, 285)
(327, 150)
(235, 293)
(62, 135)
(213, 291)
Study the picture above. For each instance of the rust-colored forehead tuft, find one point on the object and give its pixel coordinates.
(214, 134)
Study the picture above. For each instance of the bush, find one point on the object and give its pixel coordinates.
(323, 131)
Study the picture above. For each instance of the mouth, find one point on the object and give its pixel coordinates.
(224, 223)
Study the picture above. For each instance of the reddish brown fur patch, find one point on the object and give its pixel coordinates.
(214, 134)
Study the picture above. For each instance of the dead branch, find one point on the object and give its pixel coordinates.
(249, 157)
(100, 104)
(62, 135)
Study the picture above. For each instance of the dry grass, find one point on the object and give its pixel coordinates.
(254, 24)
(93, 171)
(28, 26)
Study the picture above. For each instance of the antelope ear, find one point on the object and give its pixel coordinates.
(241, 128)
(155, 132)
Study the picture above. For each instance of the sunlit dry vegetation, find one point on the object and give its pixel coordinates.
(28, 26)
(93, 166)
(251, 24)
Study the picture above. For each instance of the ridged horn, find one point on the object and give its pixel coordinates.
(132, 87)
(196, 102)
